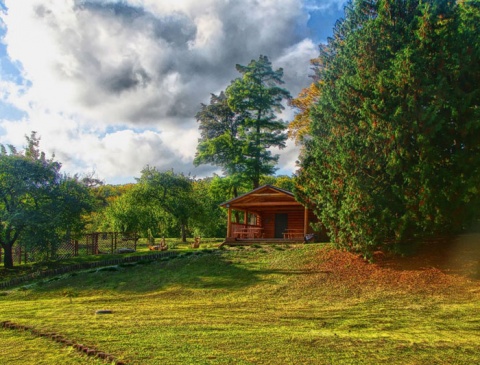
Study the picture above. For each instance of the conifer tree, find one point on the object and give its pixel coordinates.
(394, 153)
(238, 129)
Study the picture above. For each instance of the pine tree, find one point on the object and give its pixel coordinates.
(238, 128)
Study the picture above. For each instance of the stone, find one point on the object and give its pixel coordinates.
(103, 311)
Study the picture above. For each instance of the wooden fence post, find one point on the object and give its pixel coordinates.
(95, 246)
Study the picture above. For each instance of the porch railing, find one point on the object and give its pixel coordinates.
(246, 231)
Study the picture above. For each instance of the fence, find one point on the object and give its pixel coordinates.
(84, 266)
(108, 242)
(90, 244)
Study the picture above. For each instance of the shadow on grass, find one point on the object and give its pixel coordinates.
(289, 272)
(194, 271)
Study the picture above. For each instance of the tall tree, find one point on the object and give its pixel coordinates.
(240, 126)
(38, 205)
(258, 96)
(220, 142)
(395, 150)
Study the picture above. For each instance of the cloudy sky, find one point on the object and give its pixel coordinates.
(113, 85)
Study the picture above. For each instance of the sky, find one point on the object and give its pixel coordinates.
(112, 86)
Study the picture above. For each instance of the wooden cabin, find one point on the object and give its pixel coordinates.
(267, 213)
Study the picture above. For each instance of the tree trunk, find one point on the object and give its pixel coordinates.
(235, 194)
(7, 244)
(184, 232)
(256, 176)
(7, 256)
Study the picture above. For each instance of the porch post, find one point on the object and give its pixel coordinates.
(229, 222)
(305, 221)
(245, 218)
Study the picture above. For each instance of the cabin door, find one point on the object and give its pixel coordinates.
(281, 224)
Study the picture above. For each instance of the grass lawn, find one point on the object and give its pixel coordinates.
(297, 304)
(142, 249)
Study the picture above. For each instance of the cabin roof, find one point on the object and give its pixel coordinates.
(263, 196)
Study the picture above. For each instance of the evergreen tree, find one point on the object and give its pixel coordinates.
(239, 127)
(220, 142)
(394, 152)
(258, 96)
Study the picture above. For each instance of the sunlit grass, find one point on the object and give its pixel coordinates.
(255, 305)
(22, 348)
(142, 249)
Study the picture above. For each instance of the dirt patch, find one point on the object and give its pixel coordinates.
(442, 265)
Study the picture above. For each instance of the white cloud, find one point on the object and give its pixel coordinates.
(315, 5)
(296, 60)
(114, 85)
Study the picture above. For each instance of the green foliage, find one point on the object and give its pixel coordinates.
(240, 126)
(212, 220)
(127, 208)
(39, 207)
(394, 149)
(228, 187)
(104, 218)
(169, 193)
(219, 129)
(127, 214)
(282, 182)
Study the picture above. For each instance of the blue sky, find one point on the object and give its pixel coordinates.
(8, 71)
(111, 86)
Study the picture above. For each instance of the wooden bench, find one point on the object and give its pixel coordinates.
(161, 247)
(255, 232)
(249, 232)
(158, 248)
(240, 233)
(293, 234)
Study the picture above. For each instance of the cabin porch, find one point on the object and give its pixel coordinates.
(266, 215)
(261, 241)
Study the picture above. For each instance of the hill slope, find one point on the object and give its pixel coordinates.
(304, 304)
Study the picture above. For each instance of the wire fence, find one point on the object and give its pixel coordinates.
(90, 244)
(85, 266)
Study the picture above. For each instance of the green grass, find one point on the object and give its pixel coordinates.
(268, 305)
(175, 245)
(22, 348)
